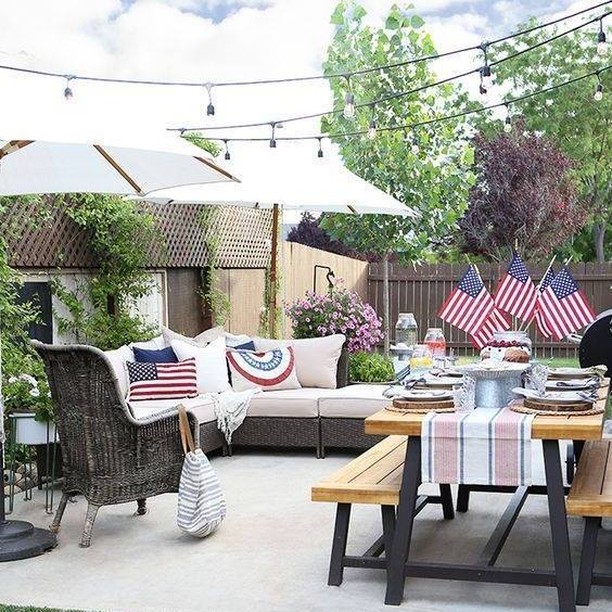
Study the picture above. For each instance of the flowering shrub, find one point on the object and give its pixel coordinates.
(340, 312)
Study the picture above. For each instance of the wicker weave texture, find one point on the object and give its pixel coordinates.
(278, 431)
(346, 433)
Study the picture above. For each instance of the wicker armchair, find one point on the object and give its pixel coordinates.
(109, 457)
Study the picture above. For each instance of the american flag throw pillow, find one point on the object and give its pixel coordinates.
(154, 381)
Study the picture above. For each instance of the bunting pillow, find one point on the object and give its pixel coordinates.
(269, 371)
(156, 381)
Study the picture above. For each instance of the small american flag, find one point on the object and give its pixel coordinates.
(469, 305)
(539, 318)
(564, 307)
(516, 294)
(496, 322)
(152, 381)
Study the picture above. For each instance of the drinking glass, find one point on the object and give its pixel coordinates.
(536, 378)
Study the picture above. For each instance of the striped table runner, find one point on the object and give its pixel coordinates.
(484, 446)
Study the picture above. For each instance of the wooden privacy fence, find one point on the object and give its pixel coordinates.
(423, 288)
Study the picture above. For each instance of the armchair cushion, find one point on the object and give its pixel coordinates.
(155, 381)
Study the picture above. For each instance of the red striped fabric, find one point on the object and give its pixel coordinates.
(496, 322)
(516, 293)
(153, 381)
(469, 305)
(564, 307)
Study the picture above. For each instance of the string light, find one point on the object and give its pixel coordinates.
(227, 155)
(599, 89)
(272, 138)
(415, 146)
(320, 151)
(508, 121)
(68, 91)
(485, 71)
(482, 90)
(349, 101)
(210, 109)
(372, 126)
(602, 47)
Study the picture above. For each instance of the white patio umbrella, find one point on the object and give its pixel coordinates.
(293, 178)
(121, 164)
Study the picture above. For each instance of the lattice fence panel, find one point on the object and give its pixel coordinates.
(243, 234)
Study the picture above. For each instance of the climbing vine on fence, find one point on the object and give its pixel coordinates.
(102, 307)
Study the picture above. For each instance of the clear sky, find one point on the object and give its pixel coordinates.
(204, 40)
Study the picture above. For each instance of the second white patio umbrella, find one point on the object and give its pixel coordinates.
(291, 178)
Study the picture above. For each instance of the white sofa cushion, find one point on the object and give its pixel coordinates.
(201, 406)
(353, 402)
(302, 403)
(272, 370)
(203, 339)
(117, 359)
(210, 364)
(154, 344)
(316, 359)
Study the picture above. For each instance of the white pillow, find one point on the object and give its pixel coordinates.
(117, 359)
(206, 337)
(316, 359)
(270, 371)
(232, 340)
(211, 365)
(150, 345)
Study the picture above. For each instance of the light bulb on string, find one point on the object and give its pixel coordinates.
(598, 90)
(415, 146)
(210, 109)
(272, 138)
(508, 121)
(602, 45)
(486, 78)
(372, 127)
(320, 151)
(68, 90)
(482, 90)
(227, 155)
(349, 101)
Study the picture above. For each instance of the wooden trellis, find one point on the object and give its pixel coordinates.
(243, 236)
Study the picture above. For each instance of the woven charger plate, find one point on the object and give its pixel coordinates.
(404, 405)
(547, 410)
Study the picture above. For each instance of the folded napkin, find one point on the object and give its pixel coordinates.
(484, 446)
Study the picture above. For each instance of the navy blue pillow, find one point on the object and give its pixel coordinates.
(247, 346)
(165, 355)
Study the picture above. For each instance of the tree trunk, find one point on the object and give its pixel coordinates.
(599, 234)
(386, 310)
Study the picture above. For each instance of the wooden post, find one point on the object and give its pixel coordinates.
(273, 263)
(386, 309)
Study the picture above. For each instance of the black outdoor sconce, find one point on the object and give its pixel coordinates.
(330, 274)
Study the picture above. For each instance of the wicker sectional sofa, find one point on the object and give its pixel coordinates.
(297, 418)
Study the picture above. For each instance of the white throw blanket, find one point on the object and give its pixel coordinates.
(231, 408)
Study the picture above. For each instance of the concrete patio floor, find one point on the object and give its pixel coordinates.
(272, 552)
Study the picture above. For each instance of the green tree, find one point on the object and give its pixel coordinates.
(570, 115)
(427, 167)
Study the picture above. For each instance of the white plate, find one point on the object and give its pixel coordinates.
(575, 384)
(558, 397)
(426, 395)
(441, 381)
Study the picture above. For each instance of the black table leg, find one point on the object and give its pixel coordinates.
(558, 525)
(396, 568)
(336, 563)
(463, 498)
(587, 560)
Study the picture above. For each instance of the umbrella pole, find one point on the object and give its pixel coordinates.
(18, 539)
(273, 264)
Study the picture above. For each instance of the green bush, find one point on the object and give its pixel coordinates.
(370, 367)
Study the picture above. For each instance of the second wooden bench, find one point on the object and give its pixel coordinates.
(591, 497)
(374, 477)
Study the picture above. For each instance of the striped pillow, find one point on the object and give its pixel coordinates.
(154, 381)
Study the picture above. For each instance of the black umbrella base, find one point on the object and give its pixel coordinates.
(21, 540)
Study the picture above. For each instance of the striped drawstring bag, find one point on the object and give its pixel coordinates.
(201, 504)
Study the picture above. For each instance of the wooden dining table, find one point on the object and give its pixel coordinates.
(550, 430)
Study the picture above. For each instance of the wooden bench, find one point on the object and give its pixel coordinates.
(375, 477)
(591, 497)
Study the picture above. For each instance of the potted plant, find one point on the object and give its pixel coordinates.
(370, 368)
(338, 312)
